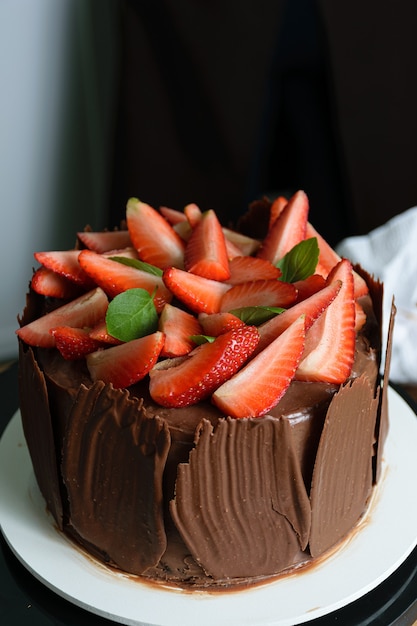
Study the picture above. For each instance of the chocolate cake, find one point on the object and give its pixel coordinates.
(172, 487)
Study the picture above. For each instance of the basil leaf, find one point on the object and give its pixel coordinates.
(131, 314)
(138, 264)
(300, 262)
(200, 339)
(256, 315)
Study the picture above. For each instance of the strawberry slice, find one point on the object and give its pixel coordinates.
(245, 268)
(288, 230)
(114, 277)
(106, 240)
(206, 253)
(182, 382)
(99, 333)
(178, 327)
(52, 285)
(330, 342)
(277, 207)
(153, 237)
(127, 253)
(259, 293)
(311, 308)
(172, 215)
(201, 295)
(219, 323)
(309, 286)
(328, 259)
(261, 383)
(84, 311)
(65, 263)
(74, 343)
(193, 214)
(247, 245)
(127, 363)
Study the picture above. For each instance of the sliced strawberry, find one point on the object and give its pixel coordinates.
(172, 215)
(178, 327)
(247, 245)
(288, 230)
(261, 383)
(114, 277)
(127, 253)
(328, 259)
(259, 293)
(193, 214)
(183, 230)
(360, 316)
(188, 381)
(201, 295)
(84, 311)
(74, 343)
(245, 268)
(206, 253)
(311, 308)
(127, 363)
(104, 241)
(52, 285)
(277, 207)
(65, 263)
(217, 324)
(330, 342)
(309, 286)
(232, 249)
(99, 333)
(155, 240)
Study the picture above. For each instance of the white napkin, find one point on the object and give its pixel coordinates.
(390, 254)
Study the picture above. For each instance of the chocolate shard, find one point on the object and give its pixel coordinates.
(241, 504)
(342, 475)
(113, 462)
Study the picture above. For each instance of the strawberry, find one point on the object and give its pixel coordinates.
(178, 326)
(99, 333)
(84, 311)
(259, 293)
(193, 214)
(65, 263)
(277, 206)
(206, 253)
(330, 342)
(360, 316)
(245, 268)
(216, 324)
(187, 381)
(201, 295)
(288, 229)
(52, 285)
(309, 286)
(247, 245)
(127, 363)
(104, 241)
(127, 253)
(172, 215)
(114, 277)
(328, 258)
(155, 240)
(261, 383)
(74, 343)
(312, 307)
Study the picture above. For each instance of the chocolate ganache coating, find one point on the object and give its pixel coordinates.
(190, 496)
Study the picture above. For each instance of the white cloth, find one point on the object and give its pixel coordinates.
(390, 254)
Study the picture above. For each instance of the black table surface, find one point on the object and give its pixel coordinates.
(24, 600)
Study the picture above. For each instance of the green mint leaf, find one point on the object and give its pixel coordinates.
(256, 315)
(300, 262)
(200, 339)
(139, 265)
(131, 315)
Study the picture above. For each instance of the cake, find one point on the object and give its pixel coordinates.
(203, 406)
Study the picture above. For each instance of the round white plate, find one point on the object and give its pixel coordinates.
(384, 539)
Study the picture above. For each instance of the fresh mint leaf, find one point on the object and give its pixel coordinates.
(131, 315)
(200, 339)
(300, 262)
(256, 315)
(139, 265)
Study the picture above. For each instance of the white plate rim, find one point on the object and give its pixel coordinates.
(358, 567)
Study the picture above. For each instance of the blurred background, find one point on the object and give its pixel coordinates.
(212, 102)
